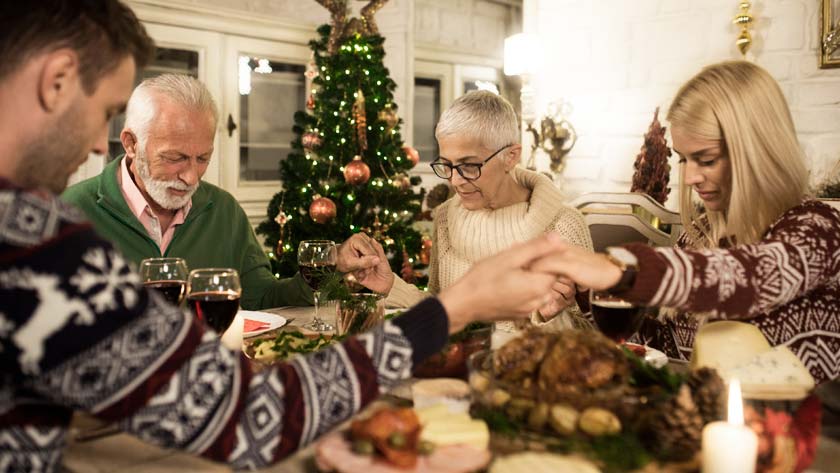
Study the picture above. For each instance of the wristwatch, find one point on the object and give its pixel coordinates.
(627, 263)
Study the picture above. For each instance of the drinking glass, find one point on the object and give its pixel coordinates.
(317, 259)
(213, 295)
(167, 276)
(615, 317)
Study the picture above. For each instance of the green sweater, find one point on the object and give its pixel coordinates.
(216, 233)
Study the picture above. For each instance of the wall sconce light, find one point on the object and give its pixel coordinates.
(523, 58)
(556, 136)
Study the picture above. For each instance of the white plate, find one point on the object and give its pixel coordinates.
(655, 358)
(274, 321)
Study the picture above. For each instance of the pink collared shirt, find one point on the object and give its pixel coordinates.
(141, 209)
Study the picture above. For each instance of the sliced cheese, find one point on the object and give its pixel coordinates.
(774, 374)
(541, 462)
(453, 393)
(723, 345)
(472, 432)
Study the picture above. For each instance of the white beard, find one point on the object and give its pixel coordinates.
(157, 188)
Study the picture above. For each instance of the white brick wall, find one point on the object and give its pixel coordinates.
(617, 60)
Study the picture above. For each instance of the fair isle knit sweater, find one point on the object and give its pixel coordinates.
(78, 331)
(787, 285)
(462, 237)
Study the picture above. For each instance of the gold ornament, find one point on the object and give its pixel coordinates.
(426, 249)
(356, 172)
(361, 120)
(377, 231)
(389, 116)
(743, 19)
(412, 155)
(341, 28)
(322, 209)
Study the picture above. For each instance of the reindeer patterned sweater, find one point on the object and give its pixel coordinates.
(79, 332)
(788, 285)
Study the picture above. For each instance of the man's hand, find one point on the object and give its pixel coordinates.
(365, 258)
(583, 267)
(563, 292)
(501, 287)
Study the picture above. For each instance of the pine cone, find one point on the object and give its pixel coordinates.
(707, 389)
(673, 430)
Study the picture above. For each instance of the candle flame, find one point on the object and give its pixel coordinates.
(736, 403)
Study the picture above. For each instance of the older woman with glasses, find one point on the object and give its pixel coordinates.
(496, 204)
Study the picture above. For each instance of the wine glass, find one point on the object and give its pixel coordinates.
(213, 295)
(167, 276)
(616, 318)
(317, 259)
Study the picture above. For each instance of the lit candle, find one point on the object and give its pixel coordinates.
(730, 447)
(232, 338)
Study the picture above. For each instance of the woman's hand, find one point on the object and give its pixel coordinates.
(581, 266)
(365, 258)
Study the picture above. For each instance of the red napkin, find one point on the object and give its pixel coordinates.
(254, 325)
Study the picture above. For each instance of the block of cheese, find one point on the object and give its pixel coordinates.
(457, 432)
(739, 350)
(454, 393)
(542, 462)
(775, 374)
(725, 344)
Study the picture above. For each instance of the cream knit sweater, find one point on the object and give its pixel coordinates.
(461, 237)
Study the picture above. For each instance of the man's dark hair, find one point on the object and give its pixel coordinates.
(102, 32)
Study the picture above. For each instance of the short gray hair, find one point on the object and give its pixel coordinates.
(183, 89)
(483, 115)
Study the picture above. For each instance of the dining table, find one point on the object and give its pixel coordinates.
(124, 453)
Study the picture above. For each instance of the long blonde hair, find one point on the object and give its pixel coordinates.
(741, 106)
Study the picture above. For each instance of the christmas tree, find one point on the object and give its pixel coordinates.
(652, 168)
(348, 168)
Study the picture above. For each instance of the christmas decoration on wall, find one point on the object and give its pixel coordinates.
(744, 20)
(311, 140)
(652, 169)
(361, 120)
(829, 51)
(350, 64)
(556, 137)
(412, 155)
(426, 250)
(322, 209)
(389, 116)
(356, 172)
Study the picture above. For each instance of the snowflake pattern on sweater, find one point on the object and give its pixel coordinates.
(788, 285)
(79, 332)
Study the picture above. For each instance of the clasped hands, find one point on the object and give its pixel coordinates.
(540, 274)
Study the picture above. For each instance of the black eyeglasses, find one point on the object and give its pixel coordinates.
(469, 171)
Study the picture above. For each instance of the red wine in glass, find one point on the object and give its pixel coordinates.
(616, 318)
(172, 291)
(315, 274)
(216, 309)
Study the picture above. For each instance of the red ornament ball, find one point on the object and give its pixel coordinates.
(322, 209)
(412, 155)
(356, 172)
(311, 140)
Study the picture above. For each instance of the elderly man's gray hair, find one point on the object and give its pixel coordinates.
(181, 89)
(482, 115)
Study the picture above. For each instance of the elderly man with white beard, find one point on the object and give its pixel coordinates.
(151, 202)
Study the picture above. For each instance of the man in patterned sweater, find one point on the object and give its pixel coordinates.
(79, 332)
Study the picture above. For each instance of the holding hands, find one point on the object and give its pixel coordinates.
(365, 258)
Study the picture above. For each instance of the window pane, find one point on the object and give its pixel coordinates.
(167, 60)
(270, 94)
(426, 115)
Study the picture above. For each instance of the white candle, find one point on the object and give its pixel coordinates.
(232, 338)
(730, 447)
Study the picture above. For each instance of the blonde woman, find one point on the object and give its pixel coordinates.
(758, 250)
(496, 204)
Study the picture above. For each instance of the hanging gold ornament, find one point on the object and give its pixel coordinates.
(322, 209)
(389, 116)
(378, 231)
(744, 19)
(426, 250)
(361, 120)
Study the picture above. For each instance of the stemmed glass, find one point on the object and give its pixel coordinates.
(615, 317)
(213, 295)
(167, 276)
(317, 260)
